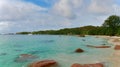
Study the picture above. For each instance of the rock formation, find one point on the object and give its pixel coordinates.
(79, 50)
(44, 63)
(98, 46)
(117, 47)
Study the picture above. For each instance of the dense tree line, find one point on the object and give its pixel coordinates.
(111, 26)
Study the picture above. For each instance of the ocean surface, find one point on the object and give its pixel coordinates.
(53, 47)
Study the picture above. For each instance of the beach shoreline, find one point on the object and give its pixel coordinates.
(115, 57)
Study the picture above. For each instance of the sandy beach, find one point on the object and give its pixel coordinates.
(115, 57)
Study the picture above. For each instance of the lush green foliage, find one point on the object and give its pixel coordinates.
(23, 33)
(111, 26)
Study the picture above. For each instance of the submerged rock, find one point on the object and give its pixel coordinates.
(34, 52)
(76, 65)
(117, 47)
(103, 44)
(44, 63)
(37, 51)
(79, 50)
(18, 50)
(25, 57)
(83, 40)
(98, 46)
(2, 54)
(88, 65)
(47, 41)
(18, 45)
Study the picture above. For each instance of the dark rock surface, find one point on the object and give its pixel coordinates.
(79, 50)
(117, 47)
(98, 46)
(44, 63)
(3, 54)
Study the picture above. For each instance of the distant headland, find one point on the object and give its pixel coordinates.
(111, 27)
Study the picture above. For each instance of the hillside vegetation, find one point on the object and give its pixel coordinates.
(111, 26)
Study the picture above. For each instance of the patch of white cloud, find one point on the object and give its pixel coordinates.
(76, 3)
(4, 26)
(10, 10)
(116, 9)
(18, 12)
(18, 15)
(101, 7)
(66, 8)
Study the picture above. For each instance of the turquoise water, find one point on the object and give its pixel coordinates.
(57, 47)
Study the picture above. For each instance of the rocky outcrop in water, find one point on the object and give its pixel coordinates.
(3, 54)
(98, 46)
(88, 65)
(76, 65)
(117, 47)
(25, 57)
(47, 41)
(44, 63)
(83, 40)
(79, 50)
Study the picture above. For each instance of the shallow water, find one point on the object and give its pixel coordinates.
(58, 47)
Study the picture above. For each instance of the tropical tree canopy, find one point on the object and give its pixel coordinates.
(112, 21)
(113, 24)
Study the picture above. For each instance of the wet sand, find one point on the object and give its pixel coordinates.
(115, 57)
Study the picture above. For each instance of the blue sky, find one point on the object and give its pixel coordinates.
(42, 3)
(33, 15)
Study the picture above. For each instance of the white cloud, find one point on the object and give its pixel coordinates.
(77, 3)
(101, 7)
(10, 10)
(66, 7)
(4, 26)
(18, 15)
(116, 9)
